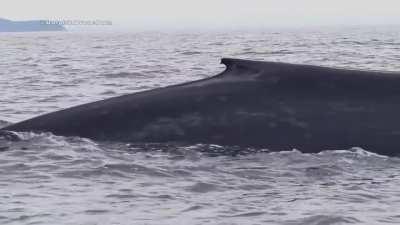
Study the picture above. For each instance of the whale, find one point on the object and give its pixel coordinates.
(272, 105)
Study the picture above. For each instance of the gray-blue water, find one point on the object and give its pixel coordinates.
(47, 179)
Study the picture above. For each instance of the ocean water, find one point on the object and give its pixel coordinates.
(48, 179)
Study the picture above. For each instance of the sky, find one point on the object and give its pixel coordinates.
(209, 14)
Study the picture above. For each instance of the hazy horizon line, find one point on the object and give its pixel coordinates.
(136, 27)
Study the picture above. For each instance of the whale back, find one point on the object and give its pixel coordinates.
(275, 105)
(317, 78)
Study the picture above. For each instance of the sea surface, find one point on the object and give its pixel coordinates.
(48, 179)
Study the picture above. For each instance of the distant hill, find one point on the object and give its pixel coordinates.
(28, 26)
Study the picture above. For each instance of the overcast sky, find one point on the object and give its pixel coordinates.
(214, 14)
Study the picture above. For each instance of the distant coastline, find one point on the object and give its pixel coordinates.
(28, 26)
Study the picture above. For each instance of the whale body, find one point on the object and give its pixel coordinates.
(278, 106)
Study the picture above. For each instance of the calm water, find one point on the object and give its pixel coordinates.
(47, 179)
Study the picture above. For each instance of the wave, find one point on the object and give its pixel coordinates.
(173, 148)
(4, 123)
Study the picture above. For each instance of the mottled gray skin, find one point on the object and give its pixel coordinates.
(273, 105)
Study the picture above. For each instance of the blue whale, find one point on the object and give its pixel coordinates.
(278, 106)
